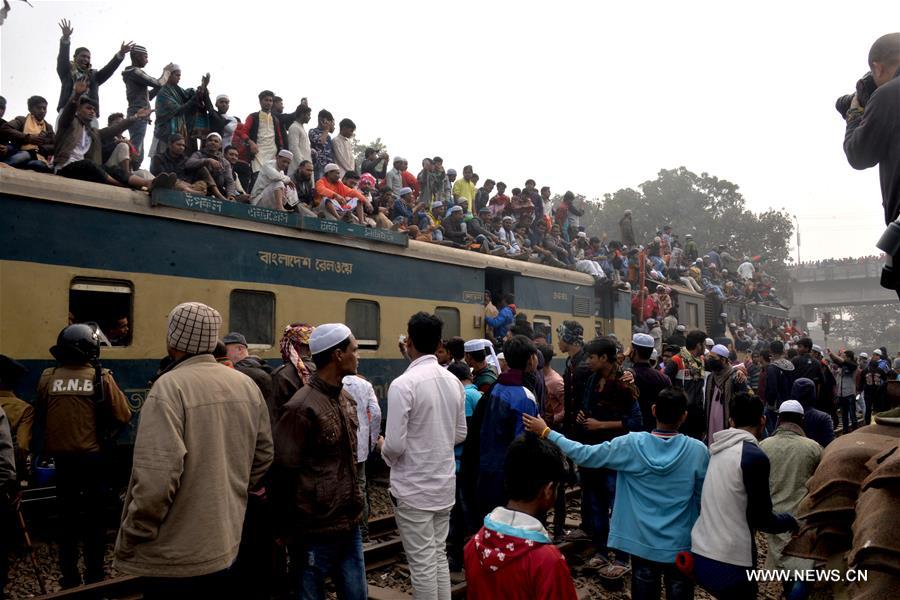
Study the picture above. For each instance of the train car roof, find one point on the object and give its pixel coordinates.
(52, 188)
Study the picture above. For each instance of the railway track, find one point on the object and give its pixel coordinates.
(383, 551)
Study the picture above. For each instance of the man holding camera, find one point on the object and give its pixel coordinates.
(873, 136)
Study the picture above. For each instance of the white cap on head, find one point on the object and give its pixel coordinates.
(482, 344)
(214, 134)
(328, 336)
(720, 350)
(863, 355)
(681, 328)
(876, 351)
(791, 406)
(709, 342)
(223, 97)
(286, 154)
(329, 167)
(642, 340)
(817, 348)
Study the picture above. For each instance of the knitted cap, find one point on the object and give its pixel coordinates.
(193, 328)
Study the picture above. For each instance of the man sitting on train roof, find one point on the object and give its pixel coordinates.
(218, 175)
(32, 135)
(336, 201)
(79, 144)
(171, 165)
(273, 188)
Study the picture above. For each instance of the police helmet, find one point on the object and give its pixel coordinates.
(78, 343)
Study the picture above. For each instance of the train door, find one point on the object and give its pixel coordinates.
(498, 283)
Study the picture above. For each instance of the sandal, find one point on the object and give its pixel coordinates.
(614, 571)
(598, 563)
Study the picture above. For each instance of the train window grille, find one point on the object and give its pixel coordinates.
(582, 306)
(450, 318)
(103, 301)
(543, 326)
(252, 313)
(363, 317)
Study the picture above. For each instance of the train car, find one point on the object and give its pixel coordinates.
(85, 252)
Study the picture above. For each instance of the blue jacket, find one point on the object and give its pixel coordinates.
(502, 322)
(658, 484)
(501, 424)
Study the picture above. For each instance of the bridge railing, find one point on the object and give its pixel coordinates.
(833, 272)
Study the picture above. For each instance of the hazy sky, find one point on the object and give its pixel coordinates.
(586, 96)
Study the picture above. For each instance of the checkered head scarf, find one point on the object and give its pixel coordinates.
(294, 337)
(571, 332)
(193, 328)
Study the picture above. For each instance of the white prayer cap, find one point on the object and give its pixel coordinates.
(476, 345)
(643, 340)
(680, 328)
(709, 342)
(328, 168)
(791, 406)
(488, 347)
(328, 336)
(175, 68)
(399, 159)
(720, 350)
(215, 135)
(817, 348)
(223, 97)
(863, 355)
(289, 154)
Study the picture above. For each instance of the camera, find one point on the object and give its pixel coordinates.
(864, 88)
(890, 245)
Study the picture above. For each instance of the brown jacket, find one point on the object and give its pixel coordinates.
(21, 417)
(14, 131)
(71, 129)
(203, 441)
(67, 392)
(315, 461)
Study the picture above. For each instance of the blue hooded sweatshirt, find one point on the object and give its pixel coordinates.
(658, 485)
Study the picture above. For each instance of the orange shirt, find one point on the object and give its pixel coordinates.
(326, 189)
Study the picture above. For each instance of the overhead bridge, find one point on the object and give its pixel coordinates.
(823, 286)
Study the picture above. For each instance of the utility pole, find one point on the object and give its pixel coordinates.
(797, 225)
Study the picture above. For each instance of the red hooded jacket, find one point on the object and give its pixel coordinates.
(502, 565)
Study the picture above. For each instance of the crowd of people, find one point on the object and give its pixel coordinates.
(279, 160)
(481, 447)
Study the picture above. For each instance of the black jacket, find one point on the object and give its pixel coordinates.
(874, 139)
(95, 77)
(259, 371)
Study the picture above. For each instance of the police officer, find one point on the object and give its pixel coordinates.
(78, 406)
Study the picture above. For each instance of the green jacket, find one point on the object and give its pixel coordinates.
(793, 459)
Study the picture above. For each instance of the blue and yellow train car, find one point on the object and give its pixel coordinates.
(75, 250)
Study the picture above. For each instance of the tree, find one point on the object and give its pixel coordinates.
(867, 327)
(711, 209)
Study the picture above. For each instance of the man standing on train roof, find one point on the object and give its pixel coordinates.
(137, 82)
(203, 441)
(426, 418)
(484, 374)
(78, 410)
(315, 485)
(79, 69)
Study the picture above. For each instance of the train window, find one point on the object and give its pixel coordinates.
(107, 302)
(693, 315)
(364, 320)
(450, 318)
(252, 313)
(543, 327)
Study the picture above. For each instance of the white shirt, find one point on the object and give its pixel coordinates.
(81, 147)
(426, 419)
(746, 270)
(268, 175)
(368, 412)
(298, 144)
(343, 153)
(228, 131)
(265, 140)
